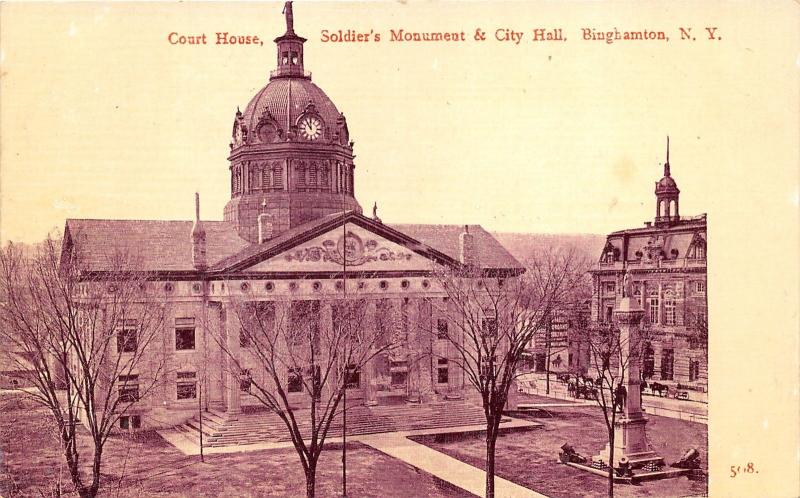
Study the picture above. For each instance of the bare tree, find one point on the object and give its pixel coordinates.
(494, 317)
(87, 342)
(613, 357)
(296, 348)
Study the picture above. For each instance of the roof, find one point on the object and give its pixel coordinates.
(445, 239)
(155, 245)
(165, 246)
(678, 236)
(286, 99)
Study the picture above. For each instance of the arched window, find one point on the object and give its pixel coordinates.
(323, 177)
(698, 249)
(312, 176)
(673, 207)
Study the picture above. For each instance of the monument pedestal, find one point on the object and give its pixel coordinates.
(630, 442)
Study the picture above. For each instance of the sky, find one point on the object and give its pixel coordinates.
(101, 117)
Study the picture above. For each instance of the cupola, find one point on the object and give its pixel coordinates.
(667, 192)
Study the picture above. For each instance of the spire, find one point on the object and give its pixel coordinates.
(666, 164)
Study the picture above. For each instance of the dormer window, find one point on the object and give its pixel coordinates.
(697, 249)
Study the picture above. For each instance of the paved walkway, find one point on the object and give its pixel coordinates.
(444, 467)
(693, 411)
(190, 447)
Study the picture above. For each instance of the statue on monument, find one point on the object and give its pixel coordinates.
(626, 285)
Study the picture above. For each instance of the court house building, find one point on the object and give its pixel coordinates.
(291, 226)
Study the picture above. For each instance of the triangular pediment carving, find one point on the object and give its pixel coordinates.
(356, 248)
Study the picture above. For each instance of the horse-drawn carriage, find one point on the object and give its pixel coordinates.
(582, 387)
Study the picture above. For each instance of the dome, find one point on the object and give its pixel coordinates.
(286, 99)
(666, 184)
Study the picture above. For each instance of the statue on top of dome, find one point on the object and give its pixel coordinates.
(287, 11)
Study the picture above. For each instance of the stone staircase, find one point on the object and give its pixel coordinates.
(223, 429)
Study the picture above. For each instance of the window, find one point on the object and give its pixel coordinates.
(312, 176)
(648, 365)
(442, 368)
(667, 364)
(694, 370)
(184, 334)
(698, 249)
(399, 373)
(610, 287)
(700, 287)
(609, 313)
(352, 377)
(187, 385)
(245, 380)
(128, 388)
(130, 422)
(441, 328)
(669, 309)
(654, 303)
(126, 337)
(489, 326)
(295, 380)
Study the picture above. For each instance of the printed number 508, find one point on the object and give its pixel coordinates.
(747, 469)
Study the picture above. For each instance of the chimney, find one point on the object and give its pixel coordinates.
(198, 238)
(264, 227)
(466, 246)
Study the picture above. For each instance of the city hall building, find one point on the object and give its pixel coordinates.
(666, 261)
(293, 221)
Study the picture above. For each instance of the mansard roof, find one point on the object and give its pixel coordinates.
(678, 237)
(165, 246)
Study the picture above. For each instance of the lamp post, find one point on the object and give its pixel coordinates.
(200, 410)
(346, 366)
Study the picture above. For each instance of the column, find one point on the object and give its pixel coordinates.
(410, 317)
(231, 327)
(326, 324)
(368, 374)
(630, 435)
(428, 367)
(455, 373)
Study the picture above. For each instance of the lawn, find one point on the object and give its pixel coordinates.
(530, 458)
(145, 465)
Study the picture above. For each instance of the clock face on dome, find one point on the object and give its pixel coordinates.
(311, 128)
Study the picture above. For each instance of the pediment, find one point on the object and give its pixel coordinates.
(361, 250)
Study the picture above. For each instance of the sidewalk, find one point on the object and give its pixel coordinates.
(188, 447)
(693, 411)
(444, 467)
